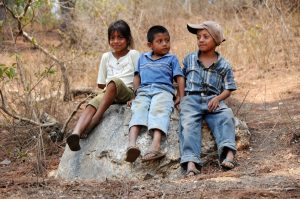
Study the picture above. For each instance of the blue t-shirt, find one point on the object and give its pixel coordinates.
(159, 71)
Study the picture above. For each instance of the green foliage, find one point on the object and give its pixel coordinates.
(39, 11)
(108, 10)
(48, 71)
(7, 71)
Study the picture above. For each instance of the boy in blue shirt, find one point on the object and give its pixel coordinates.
(209, 81)
(153, 104)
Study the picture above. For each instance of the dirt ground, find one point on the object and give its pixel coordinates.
(269, 168)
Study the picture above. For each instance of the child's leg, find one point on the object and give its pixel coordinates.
(84, 120)
(229, 160)
(221, 122)
(190, 136)
(157, 136)
(154, 152)
(116, 92)
(139, 110)
(133, 135)
(192, 170)
(160, 111)
(133, 152)
(81, 125)
(107, 100)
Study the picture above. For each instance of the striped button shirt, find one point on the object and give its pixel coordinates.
(213, 80)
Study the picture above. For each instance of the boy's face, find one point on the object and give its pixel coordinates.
(205, 41)
(160, 44)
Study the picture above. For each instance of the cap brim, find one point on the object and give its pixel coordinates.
(193, 28)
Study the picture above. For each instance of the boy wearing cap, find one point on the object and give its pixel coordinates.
(209, 81)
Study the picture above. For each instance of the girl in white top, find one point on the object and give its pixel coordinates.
(115, 77)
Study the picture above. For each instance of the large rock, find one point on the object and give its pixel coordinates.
(102, 153)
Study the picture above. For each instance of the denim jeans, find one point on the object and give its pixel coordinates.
(194, 108)
(152, 108)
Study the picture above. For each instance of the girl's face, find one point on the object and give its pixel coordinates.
(117, 42)
(205, 41)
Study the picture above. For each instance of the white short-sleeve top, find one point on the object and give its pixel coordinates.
(122, 68)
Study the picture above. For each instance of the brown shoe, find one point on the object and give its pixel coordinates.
(132, 153)
(73, 142)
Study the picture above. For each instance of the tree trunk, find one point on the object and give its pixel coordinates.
(67, 13)
(188, 6)
(2, 14)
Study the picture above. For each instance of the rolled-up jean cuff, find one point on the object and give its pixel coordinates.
(144, 125)
(152, 128)
(190, 158)
(230, 146)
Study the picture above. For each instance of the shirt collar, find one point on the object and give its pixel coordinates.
(149, 55)
(215, 64)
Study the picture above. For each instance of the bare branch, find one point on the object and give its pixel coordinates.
(4, 109)
(26, 8)
(62, 65)
(43, 77)
(67, 93)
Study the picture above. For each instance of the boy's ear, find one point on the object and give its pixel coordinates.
(149, 44)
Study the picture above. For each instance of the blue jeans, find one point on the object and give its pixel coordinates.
(152, 107)
(221, 122)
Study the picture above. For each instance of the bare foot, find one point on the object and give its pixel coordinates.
(228, 162)
(191, 170)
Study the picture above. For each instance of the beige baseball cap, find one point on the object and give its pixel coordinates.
(212, 27)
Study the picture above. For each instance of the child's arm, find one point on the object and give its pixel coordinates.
(136, 84)
(213, 104)
(180, 90)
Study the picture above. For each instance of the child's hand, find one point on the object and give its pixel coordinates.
(213, 104)
(130, 102)
(177, 102)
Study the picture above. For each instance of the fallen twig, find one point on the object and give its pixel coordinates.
(236, 113)
(81, 91)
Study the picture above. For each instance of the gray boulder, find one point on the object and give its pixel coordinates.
(102, 154)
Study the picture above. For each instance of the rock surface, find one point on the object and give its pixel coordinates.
(102, 154)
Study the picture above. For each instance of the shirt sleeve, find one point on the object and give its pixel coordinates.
(184, 62)
(135, 57)
(102, 73)
(229, 83)
(137, 66)
(177, 71)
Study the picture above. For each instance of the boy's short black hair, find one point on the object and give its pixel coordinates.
(154, 30)
(123, 28)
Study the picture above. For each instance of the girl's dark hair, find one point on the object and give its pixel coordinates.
(123, 28)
